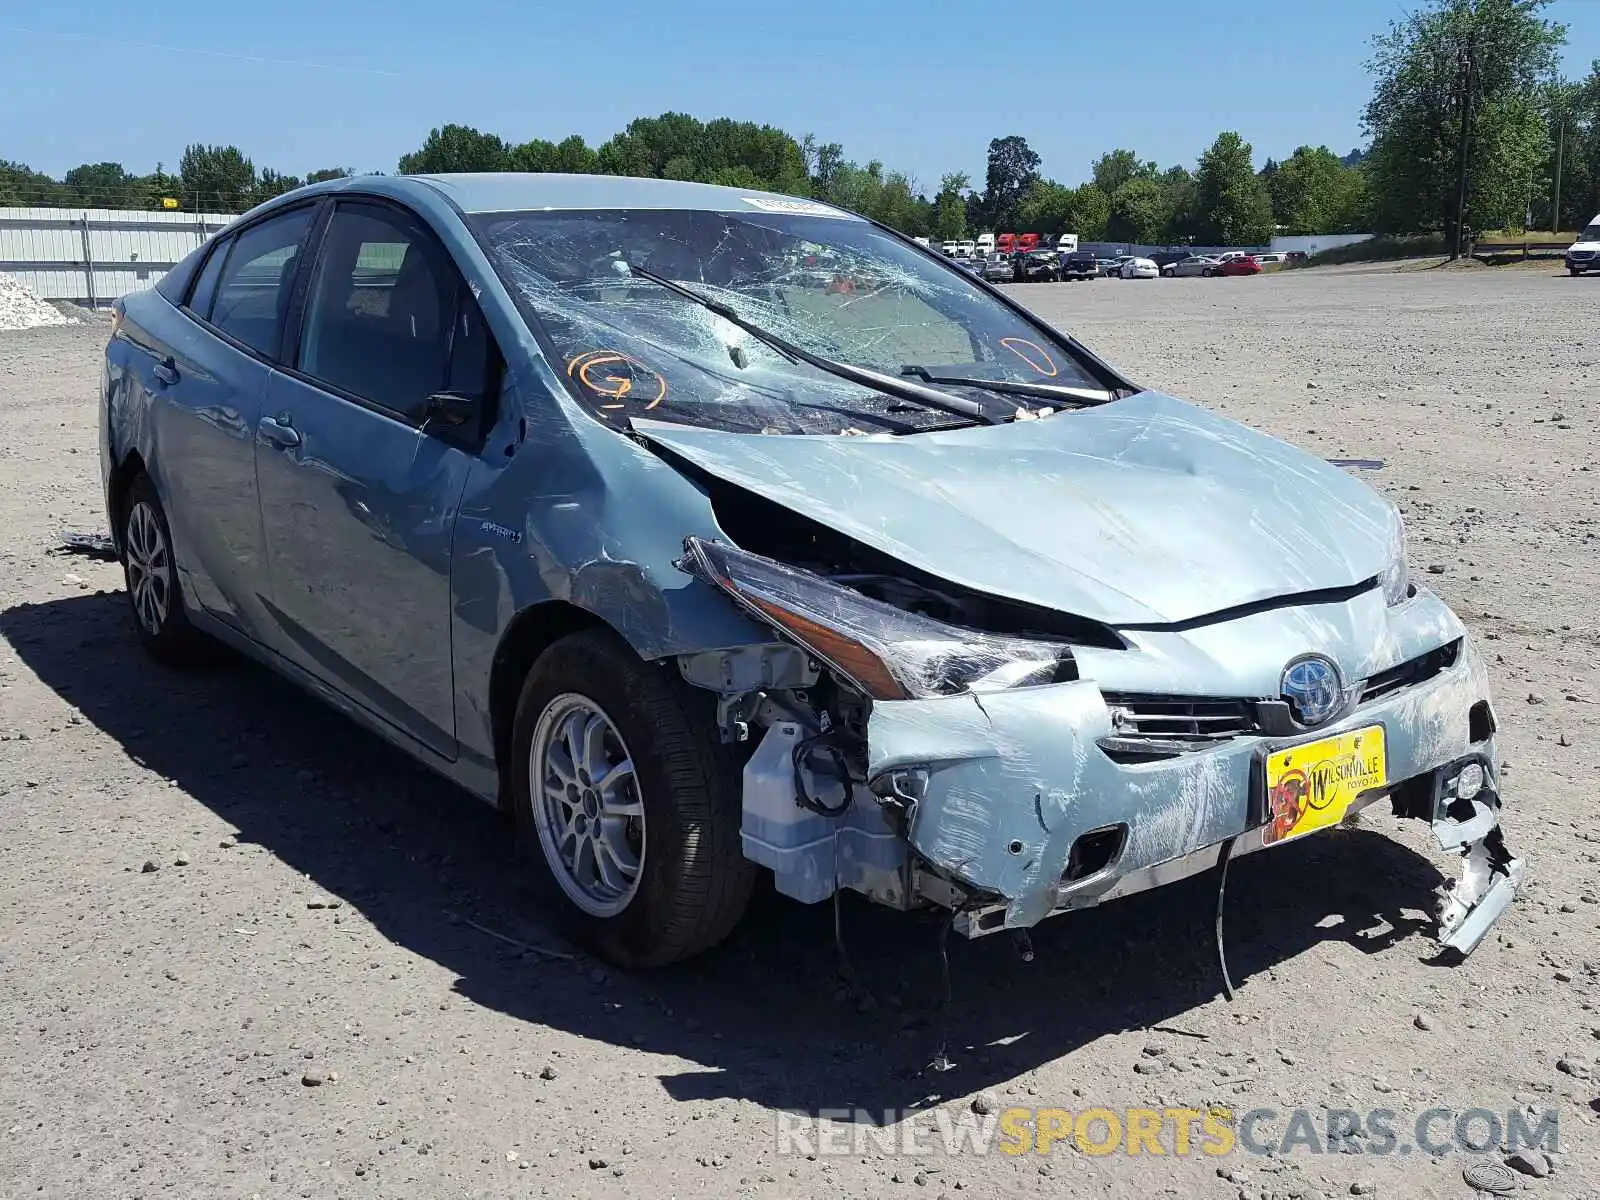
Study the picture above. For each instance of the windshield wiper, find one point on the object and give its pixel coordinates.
(1044, 391)
(887, 384)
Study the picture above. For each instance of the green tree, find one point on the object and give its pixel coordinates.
(571, 156)
(1177, 204)
(1091, 212)
(103, 185)
(1415, 115)
(1046, 207)
(327, 173)
(1113, 170)
(273, 184)
(950, 207)
(217, 177)
(1136, 213)
(1230, 205)
(457, 148)
(1314, 192)
(1013, 168)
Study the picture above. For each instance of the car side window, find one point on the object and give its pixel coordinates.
(205, 284)
(382, 310)
(256, 283)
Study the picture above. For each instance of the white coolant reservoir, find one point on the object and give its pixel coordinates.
(776, 831)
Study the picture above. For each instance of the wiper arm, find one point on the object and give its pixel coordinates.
(887, 384)
(1044, 391)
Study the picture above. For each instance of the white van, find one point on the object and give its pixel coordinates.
(1584, 254)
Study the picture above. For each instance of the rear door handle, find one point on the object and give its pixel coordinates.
(166, 372)
(280, 431)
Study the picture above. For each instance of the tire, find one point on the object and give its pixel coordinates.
(1207, 273)
(1574, 271)
(149, 570)
(676, 814)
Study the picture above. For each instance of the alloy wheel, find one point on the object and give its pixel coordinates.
(586, 805)
(149, 568)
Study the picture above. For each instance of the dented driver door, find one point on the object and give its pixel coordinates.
(359, 499)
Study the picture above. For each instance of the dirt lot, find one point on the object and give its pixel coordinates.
(214, 894)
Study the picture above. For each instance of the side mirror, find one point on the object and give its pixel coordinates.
(451, 410)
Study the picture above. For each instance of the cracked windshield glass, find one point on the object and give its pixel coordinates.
(833, 286)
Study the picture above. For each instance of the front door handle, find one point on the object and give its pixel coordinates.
(166, 372)
(280, 431)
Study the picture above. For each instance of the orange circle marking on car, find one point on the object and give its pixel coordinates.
(1014, 345)
(617, 387)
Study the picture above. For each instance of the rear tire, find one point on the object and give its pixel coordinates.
(150, 571)
(649, 869)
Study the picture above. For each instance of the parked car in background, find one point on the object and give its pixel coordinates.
(1040, 266)
(1266, 259)
(1584, 254)
(1228, 256)
(1296, 257)
(1108, 266)
(1245, 264)
(999, 268)
(1118, 263)
(1080, 264)
(530, 476)
(1140, 268)
(1204, 265)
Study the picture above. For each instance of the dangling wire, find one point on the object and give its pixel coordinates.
(941, 1060)
(1222, 895)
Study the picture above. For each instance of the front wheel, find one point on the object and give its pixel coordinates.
(1574, 270)
(627, 804)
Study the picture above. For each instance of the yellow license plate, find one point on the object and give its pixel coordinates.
(1311, 786)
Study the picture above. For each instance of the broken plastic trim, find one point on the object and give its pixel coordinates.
(885, 652)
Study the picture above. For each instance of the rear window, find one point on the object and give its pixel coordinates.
(253, 290)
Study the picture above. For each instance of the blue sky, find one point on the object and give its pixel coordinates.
(923, 87)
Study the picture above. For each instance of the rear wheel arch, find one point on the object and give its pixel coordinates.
(123, 474)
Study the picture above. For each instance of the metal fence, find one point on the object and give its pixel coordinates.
(95, 256)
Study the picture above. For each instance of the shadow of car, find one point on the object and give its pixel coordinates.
(767, 1018)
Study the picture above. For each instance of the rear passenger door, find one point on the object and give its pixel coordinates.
(359, 485)
(209, 377)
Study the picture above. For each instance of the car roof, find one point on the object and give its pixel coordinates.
(521, 191)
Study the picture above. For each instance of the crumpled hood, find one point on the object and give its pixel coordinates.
(1143, 511)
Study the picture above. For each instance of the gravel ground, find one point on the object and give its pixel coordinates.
(246, 951)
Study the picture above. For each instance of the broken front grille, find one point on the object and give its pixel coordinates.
(1146, 727)
(1410, 673)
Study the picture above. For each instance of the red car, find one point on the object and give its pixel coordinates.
(1242, 266)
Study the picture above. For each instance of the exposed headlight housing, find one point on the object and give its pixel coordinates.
(888, 653)
(1396, 577)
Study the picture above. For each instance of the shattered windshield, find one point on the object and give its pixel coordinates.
(835, 286)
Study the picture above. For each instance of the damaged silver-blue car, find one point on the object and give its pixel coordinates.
(709, 531)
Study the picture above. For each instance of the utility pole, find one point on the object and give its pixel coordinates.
(1465, 148)
(1555, 207)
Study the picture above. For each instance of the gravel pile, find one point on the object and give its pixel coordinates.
(21, 309)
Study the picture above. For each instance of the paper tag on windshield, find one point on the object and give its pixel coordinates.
(799, 208)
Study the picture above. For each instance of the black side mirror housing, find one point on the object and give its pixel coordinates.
(452, 410)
